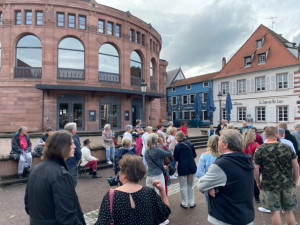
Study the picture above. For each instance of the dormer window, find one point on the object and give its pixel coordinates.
(188, 87)
(259, 43)
(262, 58)
(248, 61)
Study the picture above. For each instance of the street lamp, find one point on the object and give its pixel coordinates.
(220, 99)
(144, 89)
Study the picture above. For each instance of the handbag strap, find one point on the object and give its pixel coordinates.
(186, 146)
(111, 203)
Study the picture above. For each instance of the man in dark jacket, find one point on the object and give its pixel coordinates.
(72, 163)
(230, 183)
(290, 137)
(221, 126)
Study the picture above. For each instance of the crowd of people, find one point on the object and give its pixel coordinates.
(238, 168)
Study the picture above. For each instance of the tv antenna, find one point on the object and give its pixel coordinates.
(272, 18)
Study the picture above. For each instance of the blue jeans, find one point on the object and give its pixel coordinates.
(108, 151)
(74, 174)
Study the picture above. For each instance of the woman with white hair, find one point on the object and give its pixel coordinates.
(108, 143)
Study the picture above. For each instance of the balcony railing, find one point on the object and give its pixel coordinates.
(136, 81)
(70, 74)
(109, 77)
(28, 72)
(153, 86)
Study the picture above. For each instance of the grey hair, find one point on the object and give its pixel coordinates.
(180, 137)
(233, 139)
(22, 128)
(281, 132)
(152, 140)
(126, 142)
(170, 123)
(70, 126)
(149, 129)
(106, 127)
(128, 127)
(230, 126)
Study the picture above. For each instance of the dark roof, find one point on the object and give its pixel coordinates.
(171, 75)
(194, 80)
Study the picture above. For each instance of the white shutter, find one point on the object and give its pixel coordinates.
(252, 85)
(268, 82)
(248, 85)
(262, 41)
(230, 87)
(271, 114)
(219, 88)
(234, 87)
(233, 114)
(251, 111)
(273, 82)
(267, 54)
(291, 114)
(291, 80)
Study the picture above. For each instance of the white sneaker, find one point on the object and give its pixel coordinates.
(175, 174)
(109, 162)
(173, 177)
(262, 209)
(165, 222)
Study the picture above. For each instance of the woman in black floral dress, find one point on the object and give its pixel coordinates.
(133, 203)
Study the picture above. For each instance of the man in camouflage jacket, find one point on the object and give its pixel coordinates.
(280, 173)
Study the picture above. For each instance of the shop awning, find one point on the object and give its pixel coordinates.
(96, 89)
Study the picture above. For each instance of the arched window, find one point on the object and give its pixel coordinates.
(71, 59)
(152, 70)
(152, 74)
(109, 64)
(136, 69)
(29, 57)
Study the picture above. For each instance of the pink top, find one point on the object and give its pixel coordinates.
(23, 142)
(184, 130)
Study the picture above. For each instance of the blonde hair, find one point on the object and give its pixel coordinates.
(126, 142)
(230, 126)
(173, 130)
(152, 140)
(248, 137)
(180, 137)
(212, 145)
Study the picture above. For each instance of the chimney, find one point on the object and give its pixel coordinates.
(223, 62)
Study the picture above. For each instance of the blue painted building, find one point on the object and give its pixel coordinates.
(181, 98)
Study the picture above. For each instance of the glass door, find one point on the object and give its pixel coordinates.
(63, 115)
(70, 109)
(109, 115)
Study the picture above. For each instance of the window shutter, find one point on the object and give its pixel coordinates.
(252, 57)
(291, 114)
(262, 41)
(271, 114)
(230, 87)
(234, 87)
(219, 88)
(252, 85)
(248, 85)
(273, 82)
(291, 80)
(233, 114)
(268, 81)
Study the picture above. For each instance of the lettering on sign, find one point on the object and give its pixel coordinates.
(272, 101)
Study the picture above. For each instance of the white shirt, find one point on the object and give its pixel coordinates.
(145, 137)
(127, 135)
(285, 142)
(86, 156)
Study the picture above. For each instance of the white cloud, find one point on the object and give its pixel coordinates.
(197, 34)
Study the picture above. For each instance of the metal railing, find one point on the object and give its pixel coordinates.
(70, 74)
(28, 72)
(109, 77)
(136, 81)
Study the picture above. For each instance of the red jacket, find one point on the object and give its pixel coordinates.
(251, 148)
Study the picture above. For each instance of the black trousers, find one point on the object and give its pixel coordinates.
(256, 191)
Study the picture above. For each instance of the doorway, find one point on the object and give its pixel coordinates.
(110, 111)
(137, 105)
(70, 109)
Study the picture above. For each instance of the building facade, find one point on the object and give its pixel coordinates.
(80, 61)
(263, 81)
(181, 98)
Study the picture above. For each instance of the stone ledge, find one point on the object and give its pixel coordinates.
(9, 166)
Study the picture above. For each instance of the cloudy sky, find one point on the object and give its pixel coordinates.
(196, 34)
